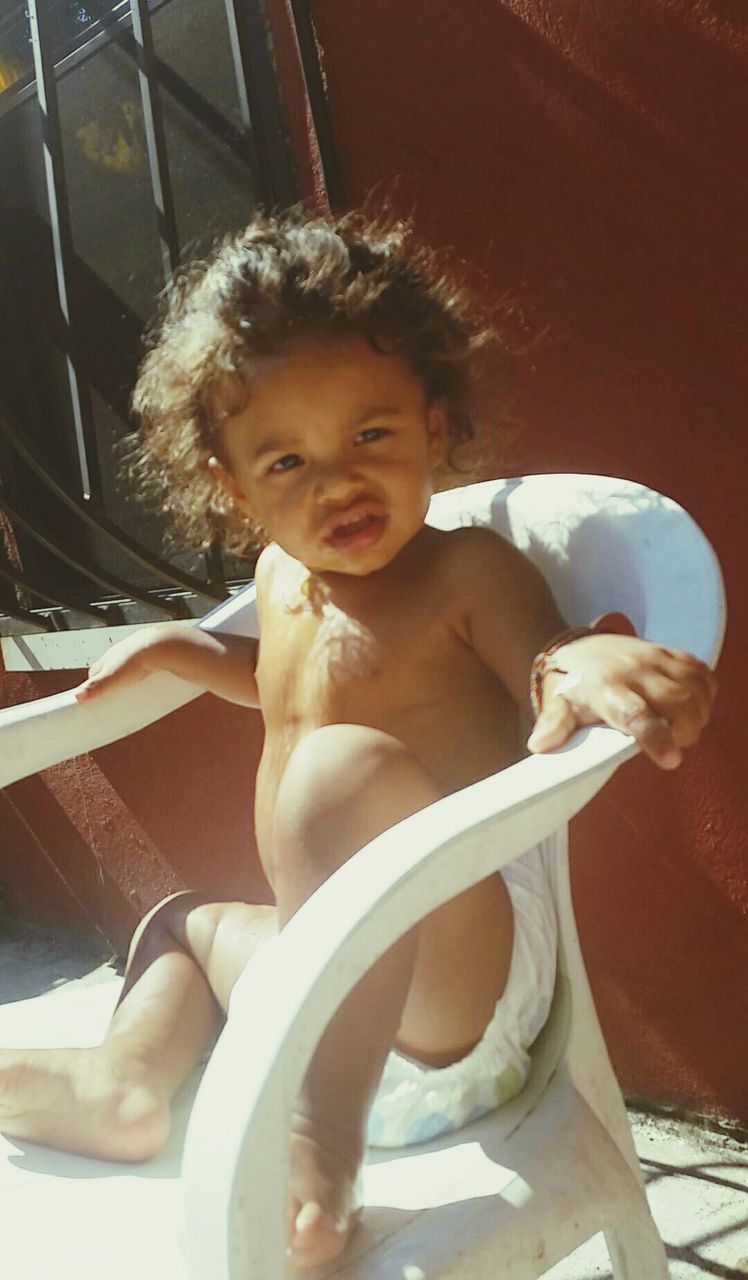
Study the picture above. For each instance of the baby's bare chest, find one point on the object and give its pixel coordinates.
(406, 668)
(324, 664)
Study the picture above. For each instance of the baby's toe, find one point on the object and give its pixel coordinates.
(316, 1236)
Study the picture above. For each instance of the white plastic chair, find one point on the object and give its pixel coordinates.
(515, 1192)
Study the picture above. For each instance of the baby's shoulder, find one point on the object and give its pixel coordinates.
(479, 566)
(274, 564)
(277, 578)
(267, 561)
(475, 550)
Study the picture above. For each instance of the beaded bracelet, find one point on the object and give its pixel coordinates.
(616, 624)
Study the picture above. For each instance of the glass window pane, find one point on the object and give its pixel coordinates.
(15, 43)
(116, 271)
(208, 154)
(71, 24)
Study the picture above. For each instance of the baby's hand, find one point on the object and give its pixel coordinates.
(662, 697)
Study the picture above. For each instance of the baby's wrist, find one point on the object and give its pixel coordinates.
(549, 663)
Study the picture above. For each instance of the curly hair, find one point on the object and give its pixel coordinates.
(280, 277)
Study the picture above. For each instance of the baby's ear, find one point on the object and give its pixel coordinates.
(437, 430)
(225, 479)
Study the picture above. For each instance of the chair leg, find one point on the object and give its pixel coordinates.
(636, 1249)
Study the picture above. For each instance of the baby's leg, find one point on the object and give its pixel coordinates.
(344, 785)
(113, 1101)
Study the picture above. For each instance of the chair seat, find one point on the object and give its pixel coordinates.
(76, 1218)
(503, 1198)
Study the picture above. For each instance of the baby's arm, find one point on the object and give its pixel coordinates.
(220, 664)
(662, 697)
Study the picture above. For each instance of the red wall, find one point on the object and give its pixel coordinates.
(588, 160)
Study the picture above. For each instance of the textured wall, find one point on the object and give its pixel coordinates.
(92, 844)
(589, 161)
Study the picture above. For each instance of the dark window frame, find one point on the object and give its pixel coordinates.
(33, 553)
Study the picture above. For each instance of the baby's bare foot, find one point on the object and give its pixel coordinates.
(324, 1202)
(88, 1101)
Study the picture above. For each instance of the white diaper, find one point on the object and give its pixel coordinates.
(415, 1102)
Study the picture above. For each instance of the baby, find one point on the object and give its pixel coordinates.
(305, 389)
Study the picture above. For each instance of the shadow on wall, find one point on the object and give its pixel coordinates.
(93, 843)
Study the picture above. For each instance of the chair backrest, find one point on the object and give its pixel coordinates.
(605, 544)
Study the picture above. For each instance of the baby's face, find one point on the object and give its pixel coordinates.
(334, 453)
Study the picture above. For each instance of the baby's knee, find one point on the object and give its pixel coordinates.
(343, 785)
(355, 751)
(165, 918)
(333, 765)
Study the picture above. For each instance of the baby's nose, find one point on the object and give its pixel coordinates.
(337, 482)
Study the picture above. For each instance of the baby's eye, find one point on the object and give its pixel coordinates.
(370, 434)
(286, 463)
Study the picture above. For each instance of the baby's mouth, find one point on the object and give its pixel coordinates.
(355, 531)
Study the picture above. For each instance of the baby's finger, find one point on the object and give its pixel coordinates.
(683, 666)
(689, 661)
(688, 696)
(554, 726)
(683, 701)
(632, 714)
(86, 690)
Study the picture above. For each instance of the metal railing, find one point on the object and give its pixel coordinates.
(61, 539)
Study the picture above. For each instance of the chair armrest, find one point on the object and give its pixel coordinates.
(35, 735)
(287, 995)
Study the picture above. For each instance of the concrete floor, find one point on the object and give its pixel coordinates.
(697, 1180)
(697, 1184)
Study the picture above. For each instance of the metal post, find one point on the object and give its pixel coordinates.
(153, 121)
(62, 240)
(259, 102)
(318, 104)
